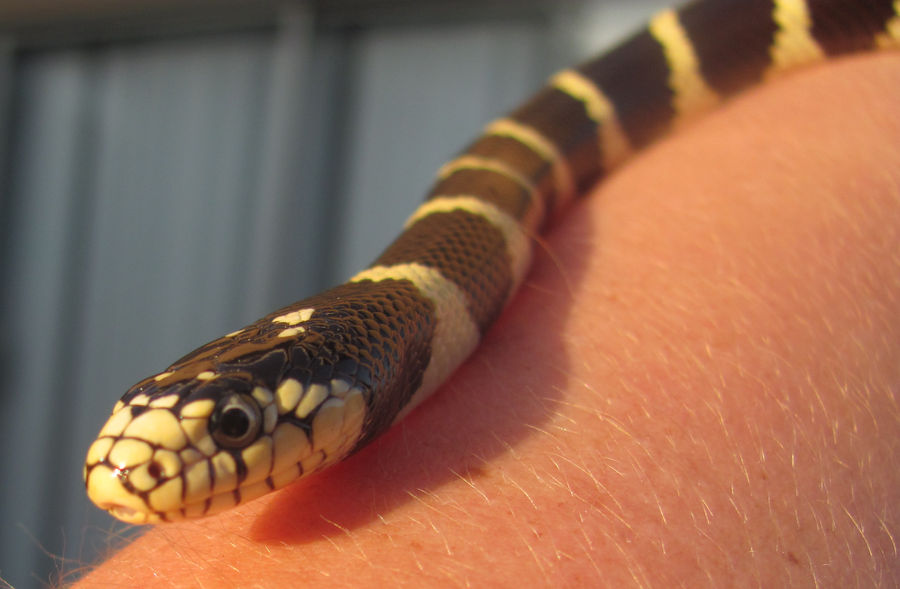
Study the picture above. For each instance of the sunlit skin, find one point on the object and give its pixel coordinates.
(697, 386)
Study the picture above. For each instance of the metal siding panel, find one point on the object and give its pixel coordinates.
(43, 192)
(166, 192)
(177, 157)
(135, 169)
(421, 94)
(285, 257)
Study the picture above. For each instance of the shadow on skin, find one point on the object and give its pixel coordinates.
(454, 434)
(715, 405)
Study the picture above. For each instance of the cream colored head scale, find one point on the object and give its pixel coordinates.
(199, 448)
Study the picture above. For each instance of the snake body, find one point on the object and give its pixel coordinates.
(309, 384)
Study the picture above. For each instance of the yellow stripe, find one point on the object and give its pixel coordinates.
(563, 181)
(614, 144)
(890, 38)
(794, 44)
(476, 162)
(692, 94)
(456, 334)
(517, 244)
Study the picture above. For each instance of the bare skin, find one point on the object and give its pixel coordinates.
(697, 386)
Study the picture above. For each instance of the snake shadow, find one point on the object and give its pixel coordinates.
(502, 395)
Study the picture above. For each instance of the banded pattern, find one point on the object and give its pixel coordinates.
(309, 384)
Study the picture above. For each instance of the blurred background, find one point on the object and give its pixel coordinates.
(172, 170)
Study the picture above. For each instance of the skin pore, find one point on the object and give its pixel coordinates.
(697, 386)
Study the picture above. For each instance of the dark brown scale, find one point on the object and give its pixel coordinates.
(564, 121)
(520, 157)
(511, 197)
(635, 78)
(722, 34)
(375, 335)
(840, 30)
(467, 250)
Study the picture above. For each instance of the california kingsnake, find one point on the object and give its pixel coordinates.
(307, 385)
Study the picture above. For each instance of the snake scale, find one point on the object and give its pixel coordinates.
(309, 384)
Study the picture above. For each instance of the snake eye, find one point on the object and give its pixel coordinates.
(235, 422)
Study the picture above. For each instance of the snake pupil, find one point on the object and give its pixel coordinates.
(236, 421)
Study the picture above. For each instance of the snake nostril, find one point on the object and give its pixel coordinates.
(155, 470)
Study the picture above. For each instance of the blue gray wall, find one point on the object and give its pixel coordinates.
(160, 187)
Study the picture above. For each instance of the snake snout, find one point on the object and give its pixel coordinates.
(109, 490)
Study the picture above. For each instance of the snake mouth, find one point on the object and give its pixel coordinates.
(130, 515)
(107, 489)
(127, 514)
(141, 476)
(205, 507)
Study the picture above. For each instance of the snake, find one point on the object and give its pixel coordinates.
(312, 383)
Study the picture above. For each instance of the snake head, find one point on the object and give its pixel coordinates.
(254, 410)
(185, 446)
